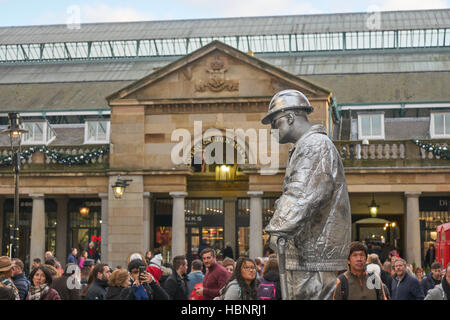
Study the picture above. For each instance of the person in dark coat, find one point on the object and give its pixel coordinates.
(430, 256)
(117, 282)
(72, 258)
(228, 251)
(432, 279)
(20, 280)
(142, 289)
(175, 284)
(68, 289)
(404, 286)
(97, 289)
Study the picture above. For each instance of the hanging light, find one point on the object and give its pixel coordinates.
(119, 187)
(373, 207)
(84, 211)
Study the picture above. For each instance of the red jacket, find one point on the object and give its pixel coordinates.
(215, 279)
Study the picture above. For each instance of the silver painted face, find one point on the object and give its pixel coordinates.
(281, 123)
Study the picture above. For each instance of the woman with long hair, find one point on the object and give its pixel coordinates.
(83, 257)
(41, 280)
(242, 284)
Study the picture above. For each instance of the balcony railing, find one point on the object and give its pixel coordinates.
(398, 153)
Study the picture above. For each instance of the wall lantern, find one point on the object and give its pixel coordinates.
(373, 207)
(119, 187)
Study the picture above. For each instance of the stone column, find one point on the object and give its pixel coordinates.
(37, 247)
(146, 221)
(413, 228)
(178, 224)
(104, 227)
(230, 222)
(61, 229)
(256, 224)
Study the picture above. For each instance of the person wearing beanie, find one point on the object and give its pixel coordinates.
(155, 267)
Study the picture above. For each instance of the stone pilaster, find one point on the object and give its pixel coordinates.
(230, 222)
(125, 221)
(61, 229)
(413, 228)
(256, 224)
(37, 243)
(178, 224)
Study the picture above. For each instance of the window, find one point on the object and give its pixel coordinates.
(371, 126)
(39, 132)
(96, 131)
(440, 125)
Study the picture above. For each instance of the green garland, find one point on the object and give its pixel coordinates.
(441, 152)
(61, 158)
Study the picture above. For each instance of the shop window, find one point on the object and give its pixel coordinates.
(96, 131)
(84, 227)
(440, 125)
(371, 126)
(39, 133)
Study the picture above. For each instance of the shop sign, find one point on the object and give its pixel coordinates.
(434, 203)
(192, 220)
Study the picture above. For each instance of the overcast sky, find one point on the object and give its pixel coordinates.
(20, 13)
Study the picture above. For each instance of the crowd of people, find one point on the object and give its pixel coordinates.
(147, 277)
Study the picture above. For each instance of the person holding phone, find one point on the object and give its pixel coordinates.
(143, 287)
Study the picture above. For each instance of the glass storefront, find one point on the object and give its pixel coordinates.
(25, 217)
(434, 211)
(84, 225)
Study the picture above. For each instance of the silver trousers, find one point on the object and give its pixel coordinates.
(311, 285)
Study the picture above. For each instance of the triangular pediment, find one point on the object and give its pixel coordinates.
(215, 71)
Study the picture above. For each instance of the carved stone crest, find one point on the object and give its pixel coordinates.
(217, 81)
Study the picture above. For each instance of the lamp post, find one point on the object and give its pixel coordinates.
(15, 132)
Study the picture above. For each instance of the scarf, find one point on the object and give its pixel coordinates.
(446, 287)
(36, 293)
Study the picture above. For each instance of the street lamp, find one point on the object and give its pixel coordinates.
(119, 187)
(15, 132)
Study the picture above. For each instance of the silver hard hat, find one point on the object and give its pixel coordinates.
(287, 100)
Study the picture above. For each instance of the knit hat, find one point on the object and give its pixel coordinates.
(5, 264)
(157, 260)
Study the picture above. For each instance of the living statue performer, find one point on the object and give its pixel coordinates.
(311, 226)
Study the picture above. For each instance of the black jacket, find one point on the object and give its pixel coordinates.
(22, 284)
(154, 292)
(386, 278)
(60, 284)
(97, 290)
(408, 289)
(175, 287)
(113, 293)
(429, 283)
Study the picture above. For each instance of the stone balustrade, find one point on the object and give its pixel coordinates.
(387, 150)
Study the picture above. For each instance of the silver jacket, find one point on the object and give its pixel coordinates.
(314, 209)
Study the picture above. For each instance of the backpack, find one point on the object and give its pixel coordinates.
(194, 295)
(267, 290)
(344, 287)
